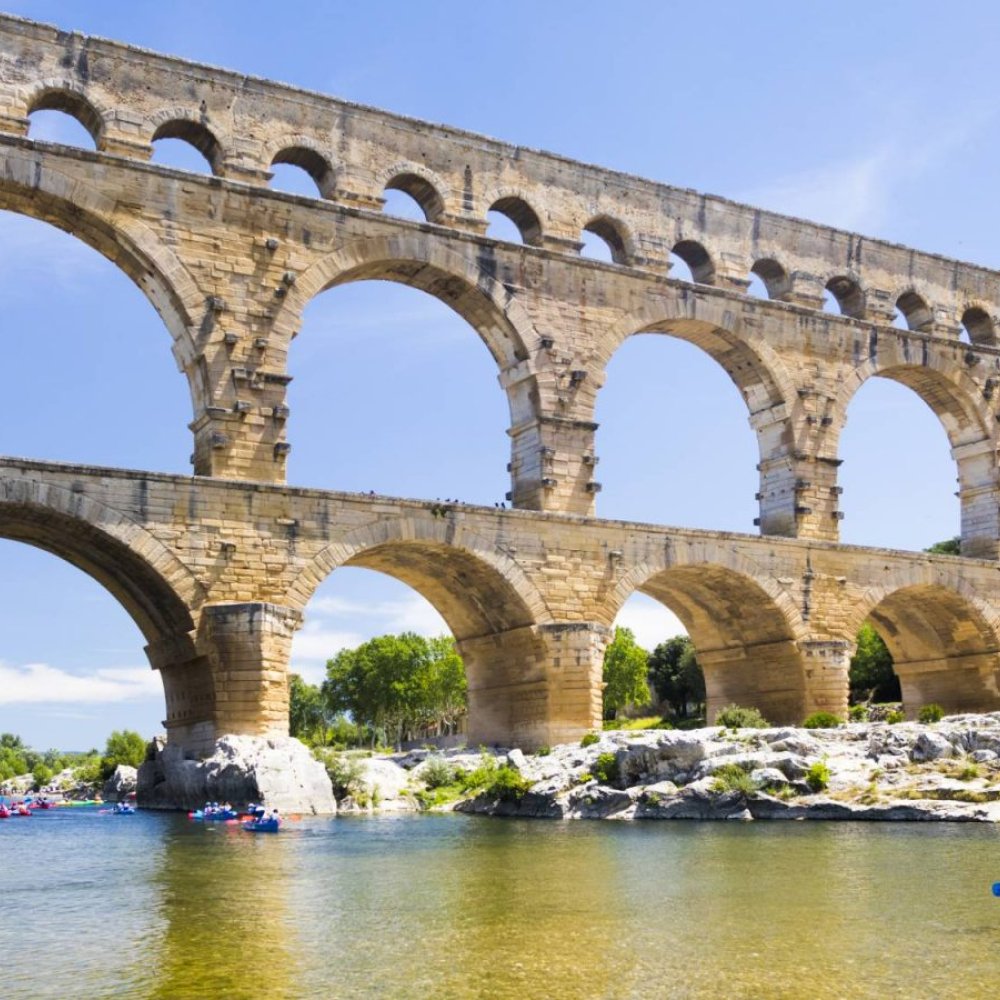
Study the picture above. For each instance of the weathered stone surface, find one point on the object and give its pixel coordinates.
(386, 788)
(278, 771)
(931, 746)
(121, 784)
(220, 569)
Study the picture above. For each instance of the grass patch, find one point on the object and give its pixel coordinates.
(633, 725)
(818, 776)
(590, 739)
(738, 717)
(822, 720)
(732, 778)
(606, 768)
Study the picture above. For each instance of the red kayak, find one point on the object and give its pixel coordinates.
(4, 812)
(21, 810)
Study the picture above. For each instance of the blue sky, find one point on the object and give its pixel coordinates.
(880, 118)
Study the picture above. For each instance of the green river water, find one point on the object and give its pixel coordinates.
(158, 906)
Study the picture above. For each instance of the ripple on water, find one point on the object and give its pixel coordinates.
(155, 906)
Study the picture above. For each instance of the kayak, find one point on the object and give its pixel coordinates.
(4, 812)
(21, 811)
(263, 826)
(216, 816)
(123, 810)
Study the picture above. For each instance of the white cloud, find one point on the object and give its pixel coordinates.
(852, 194)
(40, 683)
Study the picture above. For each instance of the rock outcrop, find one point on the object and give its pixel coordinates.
(278, 771)
(121, 785)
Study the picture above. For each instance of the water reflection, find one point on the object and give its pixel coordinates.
(222, 903)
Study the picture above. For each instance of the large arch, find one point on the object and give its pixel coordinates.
(491, 607)
(944, 641)
(964, 412)
(745, 628)
(29, 187)
(416, 259)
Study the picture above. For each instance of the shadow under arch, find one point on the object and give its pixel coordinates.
(945, 646)
(744, 628)
(28, 187)
(487, 601)
(965, 415)
(414, 259)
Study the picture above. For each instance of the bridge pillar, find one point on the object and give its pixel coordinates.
(768, 677)
(799, 495)
(966, 683)
(979, 495)
(249, 646)
(189, 692)
(534, 686)
(826, 664)
(553, 465)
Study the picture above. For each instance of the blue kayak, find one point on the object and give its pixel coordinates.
(123, 810)
(215, 815)
(263, 826)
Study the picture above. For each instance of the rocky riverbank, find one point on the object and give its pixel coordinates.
(863, 771)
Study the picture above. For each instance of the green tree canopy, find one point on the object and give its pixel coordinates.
(871, 674)
(123, 747)
(676, 675)
(949, 547)
(625, 673)
(399, 684)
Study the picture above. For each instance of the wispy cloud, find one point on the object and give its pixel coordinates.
(40, 683)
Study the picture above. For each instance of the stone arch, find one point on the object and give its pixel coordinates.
(417, 260)
(849, 294)
(181, 123)
(69, 97)
(616, 235)
(516, 205)
(916, 311)
(775, 277)
(943, 637)
(30, 188)
(144, 576)
(712, 324)
(302, 152)
(697, 259)
(744, 626)
(425, 187)
(475, 586)
(964, 412)
(979, 321)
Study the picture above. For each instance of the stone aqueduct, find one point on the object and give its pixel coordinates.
(217, 569)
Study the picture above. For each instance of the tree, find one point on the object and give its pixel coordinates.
(123, 747)
(871, 676)
(676, 675)
(625, 670)
(307, 713)
(398, 684)
(13, 757)
(949, 547)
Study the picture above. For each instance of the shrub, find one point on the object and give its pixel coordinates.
(732, 778)
(590, 739)
(737, 717)
(818, 776)
(930, 713)
(507, 784)
(345, 774)
(968, 773)
(896, 715)
(437, 773)
(858, 713)
(606, 768)
(543, 751)
(822, 720)
(583, 777)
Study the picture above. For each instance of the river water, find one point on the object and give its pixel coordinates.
(158, 906)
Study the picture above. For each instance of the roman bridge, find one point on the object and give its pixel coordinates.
(216, 570)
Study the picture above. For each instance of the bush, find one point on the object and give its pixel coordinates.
(818, 776)
(896, 715)
(437, 772)
(345, 774)
(543, 751)
(732, 778)
(858, 713)
(822, 720)
(737, 717)
(507, 784)
(590, 739)
(606, 768)
(930, 713)
(968, 773)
